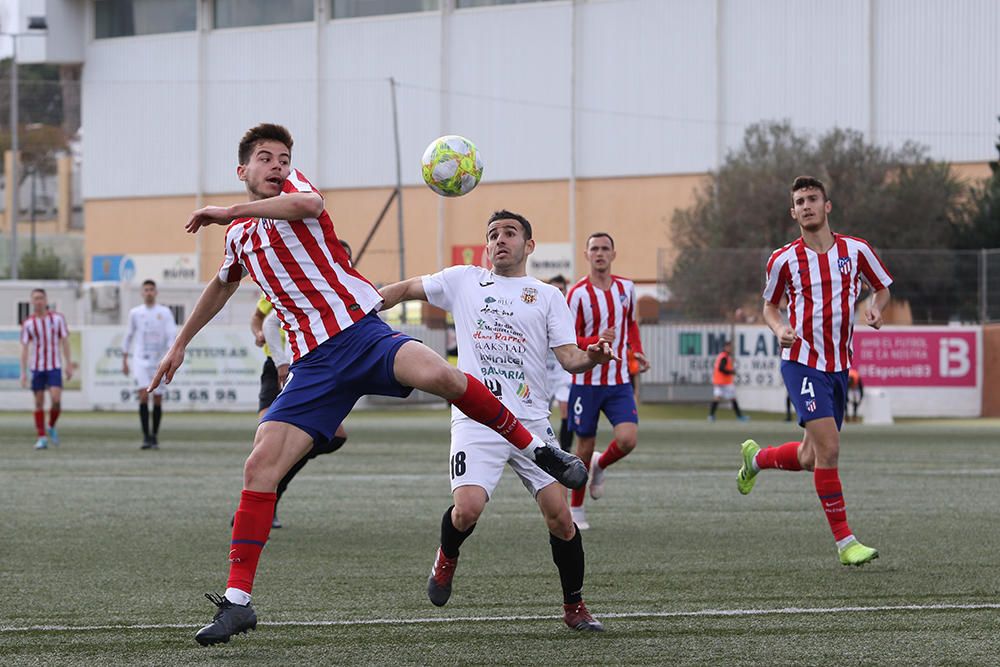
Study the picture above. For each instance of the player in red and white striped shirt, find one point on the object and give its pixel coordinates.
(603, 307)
(820, 274)
(341, 350)
(44, 345)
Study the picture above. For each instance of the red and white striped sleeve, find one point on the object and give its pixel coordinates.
(232, 269)
(297, 182)
(871, 267)
(776, 277)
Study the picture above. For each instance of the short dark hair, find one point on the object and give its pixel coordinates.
(347, 248)
(599, 234)
(558, 278)
(504, 214)
(149, 281)
(39, 289)
(807, 182)
(263, 132)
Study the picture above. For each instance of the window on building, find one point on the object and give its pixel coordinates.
(462, 4)
(343, 9)
(240, 13)
(123, 18)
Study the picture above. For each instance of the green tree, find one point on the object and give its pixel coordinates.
(894, 197)
(983, 227)
(41, 265)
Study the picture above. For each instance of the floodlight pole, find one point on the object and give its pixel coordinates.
(12, 183)
(34, 23)
(399, 190)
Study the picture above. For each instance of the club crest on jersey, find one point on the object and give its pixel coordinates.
(622, 298)
(844, 264)
(811, 405)
(267, 224)
(529, 295)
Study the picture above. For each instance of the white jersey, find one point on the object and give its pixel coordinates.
(150, 332)
(504, 328)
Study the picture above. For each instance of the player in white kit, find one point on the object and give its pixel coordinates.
(506, 323)
(151, 331)
(559, 382)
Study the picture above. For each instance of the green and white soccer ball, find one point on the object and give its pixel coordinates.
(452, 166)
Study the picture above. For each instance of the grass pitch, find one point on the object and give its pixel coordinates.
(107, 550)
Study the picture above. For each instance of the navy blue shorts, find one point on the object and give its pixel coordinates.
(815, 394)
(324, 385)
(588, 401)
(42, 380)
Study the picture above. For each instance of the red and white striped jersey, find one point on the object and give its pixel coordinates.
(44, 335)
(822, 291)
(303, 271)
(594, 310)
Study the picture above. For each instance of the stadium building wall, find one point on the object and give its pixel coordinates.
(633, 100)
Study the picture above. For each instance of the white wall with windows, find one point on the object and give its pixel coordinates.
(626, 87)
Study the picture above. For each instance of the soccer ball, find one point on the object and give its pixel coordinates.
(452, 166)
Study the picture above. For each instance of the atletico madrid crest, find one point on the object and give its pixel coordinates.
(844, 264)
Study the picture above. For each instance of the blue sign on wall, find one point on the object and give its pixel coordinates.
(113, 268)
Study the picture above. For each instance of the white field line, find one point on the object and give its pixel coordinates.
(710, 613)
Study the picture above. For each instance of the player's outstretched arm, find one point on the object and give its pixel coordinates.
(781, 329)
(293, 206)
(405, 290)
(873, 316)
(575, 360)
(212, 299)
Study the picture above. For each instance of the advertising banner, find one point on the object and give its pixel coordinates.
(916, 357)
(221, 371)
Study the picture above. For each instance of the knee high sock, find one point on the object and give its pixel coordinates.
(480, 404)
(144, 418)
(736, 408)
(577, 495)
(827, 481)
(54, 414)
(157, 415)
(251, 527)
(568, 557)
(611, 454)
(711, 410)
(565, 436)
(40, 422)
(451, 537)
(784, 457)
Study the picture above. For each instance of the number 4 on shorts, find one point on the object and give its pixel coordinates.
(807, 388)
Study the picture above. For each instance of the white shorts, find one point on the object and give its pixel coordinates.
(724, 392)
(142, 373)
(478, 456)
(559, 381)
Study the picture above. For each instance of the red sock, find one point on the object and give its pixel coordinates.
(828, 489)
(40, 422)
(576, 496)
(480, 404)
(251, 527)
(53, 415)
(611, 454)
(783, 457)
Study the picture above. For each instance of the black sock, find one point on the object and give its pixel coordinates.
(451, 537)
(736, 408)
(157, 415)
(568, 557)
(144, 419)
(565, 436)
(715, 406)
(287, 479)
(328, 447)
